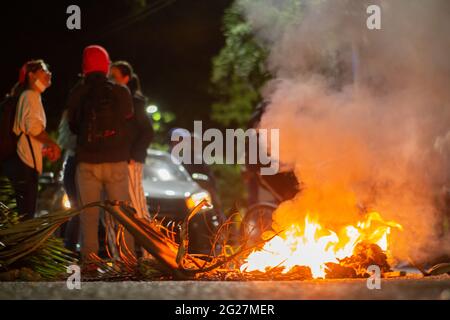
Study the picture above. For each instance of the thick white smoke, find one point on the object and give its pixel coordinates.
(364, 115)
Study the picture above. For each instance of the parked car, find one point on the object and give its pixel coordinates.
(51, 195)
(172, 193)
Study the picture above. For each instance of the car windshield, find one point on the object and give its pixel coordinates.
(160, 168)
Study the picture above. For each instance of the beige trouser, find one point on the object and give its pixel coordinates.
(92, 179)
(137, 194)
(136, 189)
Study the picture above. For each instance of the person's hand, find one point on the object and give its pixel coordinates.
(52, 152)
(57, 152)
(48, 152)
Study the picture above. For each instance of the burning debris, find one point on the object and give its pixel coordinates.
(327, 254)
(355, 266)
(301, 253)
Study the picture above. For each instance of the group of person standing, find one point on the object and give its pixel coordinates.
(104, 131)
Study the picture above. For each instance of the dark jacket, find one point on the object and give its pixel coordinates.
(77, 102)
(141, 129)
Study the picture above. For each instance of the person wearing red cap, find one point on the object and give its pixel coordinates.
(24, 167)
(98, 110)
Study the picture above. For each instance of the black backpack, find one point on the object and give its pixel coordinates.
(101, 123)
(8, 139)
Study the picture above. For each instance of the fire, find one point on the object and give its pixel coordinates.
(312, 245)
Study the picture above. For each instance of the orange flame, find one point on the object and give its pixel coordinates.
(313, 246)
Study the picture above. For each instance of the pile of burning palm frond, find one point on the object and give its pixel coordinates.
(30, 251)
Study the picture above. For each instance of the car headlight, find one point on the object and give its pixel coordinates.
(66, 201)
(196, 198)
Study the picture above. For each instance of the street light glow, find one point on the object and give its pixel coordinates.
(152, 109)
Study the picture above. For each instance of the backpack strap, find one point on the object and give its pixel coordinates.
(31, 148)
(32, 152)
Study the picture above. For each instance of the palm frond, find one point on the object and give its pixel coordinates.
(24, 252)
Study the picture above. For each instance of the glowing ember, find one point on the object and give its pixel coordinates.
(311, 245)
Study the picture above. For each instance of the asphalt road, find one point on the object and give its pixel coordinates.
(402, 288)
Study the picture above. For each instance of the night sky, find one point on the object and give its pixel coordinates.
(170, 48)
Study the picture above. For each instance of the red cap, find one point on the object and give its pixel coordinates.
(95, 59)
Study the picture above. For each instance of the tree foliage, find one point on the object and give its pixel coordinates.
(238, 71)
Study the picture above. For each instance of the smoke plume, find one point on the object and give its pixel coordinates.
(364, 115)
